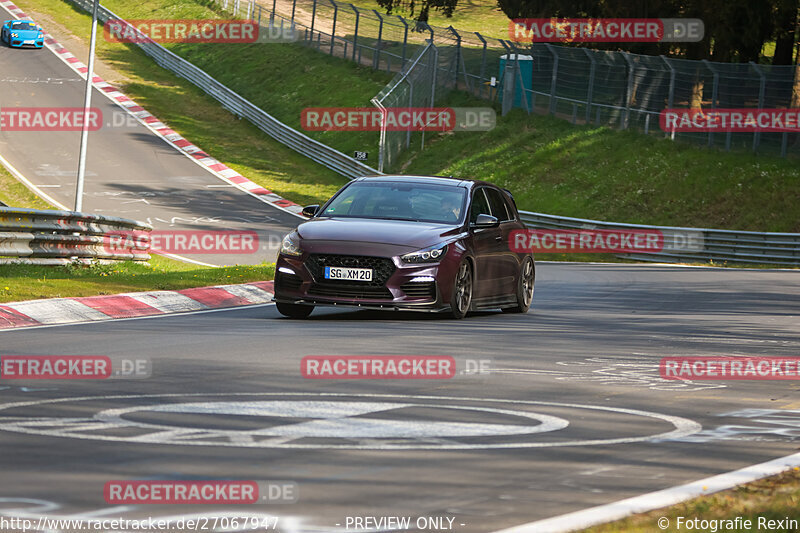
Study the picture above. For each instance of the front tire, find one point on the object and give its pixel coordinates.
(461, 299)
(527, 275)
(294, 310)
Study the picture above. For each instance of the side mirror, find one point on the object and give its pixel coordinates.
(310, 210)
(485, 221)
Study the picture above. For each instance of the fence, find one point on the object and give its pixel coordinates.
(54, 237)
(615, 89)
(413, 86)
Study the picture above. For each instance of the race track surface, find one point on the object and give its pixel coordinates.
(574, 413)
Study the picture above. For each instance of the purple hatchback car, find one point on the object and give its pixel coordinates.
(407, 242)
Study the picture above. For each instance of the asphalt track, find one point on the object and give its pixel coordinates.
(587, 354)
(131, 172)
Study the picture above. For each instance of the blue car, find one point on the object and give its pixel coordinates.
(19, 33)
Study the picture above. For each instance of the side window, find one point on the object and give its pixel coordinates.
(479, 205)
(498, 205)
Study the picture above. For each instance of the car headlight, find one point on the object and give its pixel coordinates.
(291, 244)
(434, 254)
(14, 34)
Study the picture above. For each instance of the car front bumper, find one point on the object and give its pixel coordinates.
(418, 287)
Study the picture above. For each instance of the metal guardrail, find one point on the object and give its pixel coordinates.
(240, 106)
(717, 245)
(694, 244)
(57, 237)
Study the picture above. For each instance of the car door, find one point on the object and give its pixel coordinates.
(485, 246)
(505, 262)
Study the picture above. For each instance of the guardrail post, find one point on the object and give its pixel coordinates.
(294, 8)
(714, 92)
(260, 9)
(482, 75)
(272, 15)
(628, 90)
(671, 93)
(333, 28)
(376, 59)
(313, 18)
(553, 79)
(590, 92)
(235, 7)
(761, 90)
(355, 33)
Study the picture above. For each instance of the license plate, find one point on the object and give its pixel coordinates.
(348, 274)
(28, 42)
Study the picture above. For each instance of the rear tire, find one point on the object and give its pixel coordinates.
(527, 276)
(294, 310)
(461, 299)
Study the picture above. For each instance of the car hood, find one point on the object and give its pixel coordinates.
(393, 232)
(25, 34)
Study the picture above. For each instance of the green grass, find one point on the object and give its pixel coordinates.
(774, 498)
(26, 282)
(15, 194)
(554, 167)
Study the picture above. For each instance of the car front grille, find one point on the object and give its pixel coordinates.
(354, 292)
(423, 289)
(382, 269)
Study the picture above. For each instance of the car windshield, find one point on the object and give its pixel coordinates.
(421, 202)
(23, 26)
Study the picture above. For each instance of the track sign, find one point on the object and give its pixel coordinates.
(360, 156)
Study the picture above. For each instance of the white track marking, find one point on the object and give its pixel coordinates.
(683, 426)
(36, 190)
(167, 301)
(185, 259)
(656, 500)
(66, 311)
(248, 292)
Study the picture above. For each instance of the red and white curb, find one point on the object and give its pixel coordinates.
(217, 168)
(130, 305)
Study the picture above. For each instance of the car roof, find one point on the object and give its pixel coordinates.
(437, 180)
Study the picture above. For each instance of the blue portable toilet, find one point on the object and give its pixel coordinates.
(507, 73)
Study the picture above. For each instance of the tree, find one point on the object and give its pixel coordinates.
(786, 23)
(446, 7)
